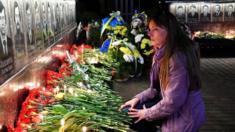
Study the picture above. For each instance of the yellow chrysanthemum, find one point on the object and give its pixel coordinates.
(124, 31)
(144, 42)
(116, 31)
(148, 52)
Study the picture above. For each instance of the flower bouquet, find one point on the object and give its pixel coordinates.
(118, 45)
(141, 39)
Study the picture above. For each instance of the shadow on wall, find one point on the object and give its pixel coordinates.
(87, 11)
(101, 8)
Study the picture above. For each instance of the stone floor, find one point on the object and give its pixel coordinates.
(218, 89)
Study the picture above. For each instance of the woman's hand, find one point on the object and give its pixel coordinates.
(130, 103)
(137, 113)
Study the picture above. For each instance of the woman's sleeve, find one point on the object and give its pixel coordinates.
(176, 90)
(149, 93)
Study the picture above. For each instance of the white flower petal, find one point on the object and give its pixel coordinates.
(132, 58)
(141, 60)
(134, 32)
(116, 43)
(131, 46)
(138, 38)
(126, 58)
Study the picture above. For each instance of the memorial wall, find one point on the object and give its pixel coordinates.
(194, 12)
(28, 27)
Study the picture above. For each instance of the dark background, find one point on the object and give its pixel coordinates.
(98, 9)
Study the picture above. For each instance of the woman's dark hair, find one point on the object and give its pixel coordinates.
(15, 4)
(36, 5)
(27, 6)
(1, 6)
(177, 41)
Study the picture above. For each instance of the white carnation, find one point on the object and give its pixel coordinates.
(97, 24)
(86, 77)
(134, 31)
(118, 13)
(138, 38)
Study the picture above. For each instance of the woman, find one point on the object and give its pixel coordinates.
(174, 78)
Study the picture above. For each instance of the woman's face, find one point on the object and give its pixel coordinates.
(157, 34)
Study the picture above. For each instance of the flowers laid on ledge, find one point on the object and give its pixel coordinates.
(208, 35)
(76, 97)
(212, 35)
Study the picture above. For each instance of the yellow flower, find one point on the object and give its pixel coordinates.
(109, 28)
(136, 53)
(59, 96)
(145, 42)
(44, 112)
(148, 52)
(33, 113)
(124, 31)
(125, 50)
(118, 27)
(125, 39)
(116, 31)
